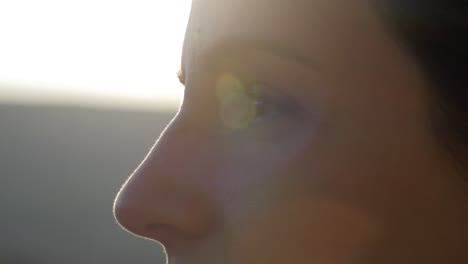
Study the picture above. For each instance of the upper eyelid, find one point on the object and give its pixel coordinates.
(230, 49)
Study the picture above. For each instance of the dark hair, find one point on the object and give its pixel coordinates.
(436, 33)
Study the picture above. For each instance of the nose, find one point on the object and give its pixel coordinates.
(168, 197)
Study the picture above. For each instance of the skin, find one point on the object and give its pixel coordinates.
(341, 166)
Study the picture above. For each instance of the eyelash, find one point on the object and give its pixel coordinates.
(265, 100)
(270, 103)
(181, 76)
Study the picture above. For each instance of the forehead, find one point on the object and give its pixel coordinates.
(303, 25)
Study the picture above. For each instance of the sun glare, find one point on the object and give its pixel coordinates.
(96, 51)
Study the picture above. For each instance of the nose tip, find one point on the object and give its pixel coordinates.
(170, 218)
(129, 219)
(174, 230)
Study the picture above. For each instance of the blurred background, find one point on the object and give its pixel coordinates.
(86, 86)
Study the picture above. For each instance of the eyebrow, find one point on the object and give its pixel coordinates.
(231, 48)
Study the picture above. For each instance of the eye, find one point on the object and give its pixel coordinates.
(244, 104)
(269, 103)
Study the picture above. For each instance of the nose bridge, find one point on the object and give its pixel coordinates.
(164, 191)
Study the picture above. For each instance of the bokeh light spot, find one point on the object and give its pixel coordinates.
(237, 107)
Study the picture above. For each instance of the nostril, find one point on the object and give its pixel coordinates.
(140, 224)
(171, 237)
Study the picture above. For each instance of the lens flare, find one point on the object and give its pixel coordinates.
(237, 107)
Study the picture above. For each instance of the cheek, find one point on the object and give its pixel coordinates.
(278, 205)
(316, 196)
(317, 230)
(253, 165)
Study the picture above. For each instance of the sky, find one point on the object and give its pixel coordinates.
(92, 51)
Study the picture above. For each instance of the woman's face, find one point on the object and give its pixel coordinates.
(303, 137)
